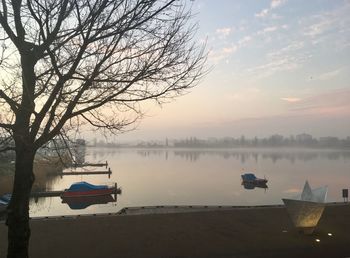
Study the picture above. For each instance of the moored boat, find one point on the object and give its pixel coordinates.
(80, 189)
(4, 201)
(251, 179)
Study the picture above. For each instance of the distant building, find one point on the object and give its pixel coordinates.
(329, 141)
(303, 137)
(276, 140)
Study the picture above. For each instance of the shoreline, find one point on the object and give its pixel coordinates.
(167, 209)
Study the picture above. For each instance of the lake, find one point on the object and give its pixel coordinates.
(200, 177)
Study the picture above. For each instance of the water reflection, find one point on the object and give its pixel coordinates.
(251, 186)
(191, 177)
(80, 203)
(243, 155)
(189, 155)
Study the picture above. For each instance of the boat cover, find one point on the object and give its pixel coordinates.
(249, 177)
(5, 198)
(84, 186)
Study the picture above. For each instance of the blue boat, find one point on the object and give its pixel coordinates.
(251, 179)
(4, 201)
(85, 189)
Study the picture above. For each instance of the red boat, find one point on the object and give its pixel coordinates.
(85, 189)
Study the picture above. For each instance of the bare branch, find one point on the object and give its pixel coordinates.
(88, 56)
(13, 104)
(7, 149)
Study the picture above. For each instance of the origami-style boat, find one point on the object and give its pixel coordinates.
(306, 209)
(81, 189)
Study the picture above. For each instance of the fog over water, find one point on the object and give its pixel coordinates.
(198, 177)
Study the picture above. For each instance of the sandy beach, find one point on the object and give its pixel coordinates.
(251, 232)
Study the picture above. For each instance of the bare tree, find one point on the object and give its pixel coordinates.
(68, 62)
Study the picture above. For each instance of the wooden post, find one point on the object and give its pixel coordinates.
(345, 195)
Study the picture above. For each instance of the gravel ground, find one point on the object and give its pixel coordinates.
(235, 232)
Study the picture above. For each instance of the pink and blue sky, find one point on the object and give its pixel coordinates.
(277, 67)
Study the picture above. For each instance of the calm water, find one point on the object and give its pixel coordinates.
(201, 177)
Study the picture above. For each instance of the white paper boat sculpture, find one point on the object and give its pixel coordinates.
(306, 209)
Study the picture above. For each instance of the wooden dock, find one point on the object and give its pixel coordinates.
(46, 194)
(91, 165)
(103, 172)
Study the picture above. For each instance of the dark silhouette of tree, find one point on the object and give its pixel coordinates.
(65, 63)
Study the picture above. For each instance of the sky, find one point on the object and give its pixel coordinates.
(278, 66)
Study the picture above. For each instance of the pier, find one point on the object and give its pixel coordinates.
(91, 165)
(46, 194)
(102, 172)
(59, 193)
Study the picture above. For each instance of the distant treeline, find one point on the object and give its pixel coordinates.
(276, 140)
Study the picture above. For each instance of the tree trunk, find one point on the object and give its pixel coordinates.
(18, 210)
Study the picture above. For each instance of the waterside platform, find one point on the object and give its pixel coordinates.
(101, 172)
(91, 165)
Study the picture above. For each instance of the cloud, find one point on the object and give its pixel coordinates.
(331, 102)
(243, 42)
(244, 95)
(273, 5)
(277, 61)
(291, 99)
(224, 32)
(223, 53)
(276, 3)
(287, 58)
(318, 28)
(229, 50)
(263, 13)
(287, 50)
(329, 75)
(327, 23)
(267, 30)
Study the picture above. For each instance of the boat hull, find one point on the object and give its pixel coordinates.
(251, 179)
(86, 193)
(255, 182)
(251, 186)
